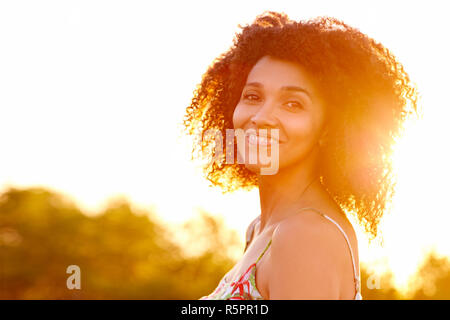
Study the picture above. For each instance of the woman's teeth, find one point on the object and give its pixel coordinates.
(262, 141)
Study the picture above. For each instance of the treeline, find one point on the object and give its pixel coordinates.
(123, 253)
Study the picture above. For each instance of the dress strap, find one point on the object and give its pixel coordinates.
(355, 273)
(249, 237)
(265, 249)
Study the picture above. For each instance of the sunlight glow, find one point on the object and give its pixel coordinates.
(93, 93)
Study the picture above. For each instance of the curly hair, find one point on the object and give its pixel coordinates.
(367, 93)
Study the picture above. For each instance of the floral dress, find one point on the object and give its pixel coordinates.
(245, 287)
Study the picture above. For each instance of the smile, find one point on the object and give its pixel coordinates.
(262, 141)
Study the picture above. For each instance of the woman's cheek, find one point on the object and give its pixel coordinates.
(300, 137)
(238, 116)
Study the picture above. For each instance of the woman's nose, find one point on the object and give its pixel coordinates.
(264, 116)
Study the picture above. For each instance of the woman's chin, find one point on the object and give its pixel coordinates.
(262, 169)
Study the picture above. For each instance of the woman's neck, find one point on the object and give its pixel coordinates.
(289, 190)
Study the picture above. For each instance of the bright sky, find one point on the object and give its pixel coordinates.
(92, 94)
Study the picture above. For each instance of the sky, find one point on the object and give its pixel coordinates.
(92, 95)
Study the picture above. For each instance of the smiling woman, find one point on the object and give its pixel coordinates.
(336, 100)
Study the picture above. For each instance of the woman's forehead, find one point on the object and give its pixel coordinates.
(272, 73)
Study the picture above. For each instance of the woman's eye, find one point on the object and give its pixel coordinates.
(251, 97)
(294, 105)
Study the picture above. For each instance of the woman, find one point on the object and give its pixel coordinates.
(332, 101)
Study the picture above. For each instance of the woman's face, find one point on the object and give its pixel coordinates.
(280, 95)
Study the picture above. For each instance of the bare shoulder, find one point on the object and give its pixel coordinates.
(306, 225)
(306, 258)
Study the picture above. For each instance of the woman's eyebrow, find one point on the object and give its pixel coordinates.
(286, 88)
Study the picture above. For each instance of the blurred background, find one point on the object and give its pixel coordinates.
(95, 171)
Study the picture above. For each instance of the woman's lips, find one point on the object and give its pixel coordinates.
(262, 141)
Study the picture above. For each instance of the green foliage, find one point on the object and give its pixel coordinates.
(433, 279)
(379, 289)
(125, 254)
(121, 254)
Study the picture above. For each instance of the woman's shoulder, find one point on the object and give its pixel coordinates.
(312, 236)
(306, 258)
(331, 221)
(303, 228)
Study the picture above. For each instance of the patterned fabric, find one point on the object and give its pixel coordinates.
(245, 287)
(242, 289)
